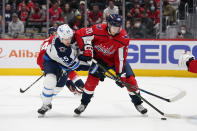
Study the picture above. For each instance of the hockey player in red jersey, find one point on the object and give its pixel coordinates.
(109, 42)
(188, 60)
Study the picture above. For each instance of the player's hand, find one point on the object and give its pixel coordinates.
(185, 59)
(87, 53)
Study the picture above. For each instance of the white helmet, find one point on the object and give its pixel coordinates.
(64, 32)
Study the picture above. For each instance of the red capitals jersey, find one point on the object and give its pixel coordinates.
(43, 48)
(193, 66)
(110, 49)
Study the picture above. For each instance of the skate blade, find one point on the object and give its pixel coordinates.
(41, 115)
(76, 115)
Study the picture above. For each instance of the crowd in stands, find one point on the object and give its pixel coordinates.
(29, 17)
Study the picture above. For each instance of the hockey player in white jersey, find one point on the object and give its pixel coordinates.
(60, 58)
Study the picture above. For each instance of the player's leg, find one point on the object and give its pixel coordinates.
(50, 80)
(88, 92)
(95, 74)
(61, 81)
(129, 77)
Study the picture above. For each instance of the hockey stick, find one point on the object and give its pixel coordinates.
(175, 98)
(24, 90)
(129, 88)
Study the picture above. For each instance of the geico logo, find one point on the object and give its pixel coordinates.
(23, 53)
(158, 53)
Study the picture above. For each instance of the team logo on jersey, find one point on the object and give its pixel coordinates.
(106, 51)
(89, 30)
(62, 49)
(125, 36)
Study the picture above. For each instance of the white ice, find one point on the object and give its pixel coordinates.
(109, 110)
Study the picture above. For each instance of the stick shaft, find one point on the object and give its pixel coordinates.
(22, 91)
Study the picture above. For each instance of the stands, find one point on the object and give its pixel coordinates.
(38, 15)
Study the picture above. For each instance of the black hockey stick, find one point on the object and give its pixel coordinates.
(175, 98)
(24, 90)
(129, 88)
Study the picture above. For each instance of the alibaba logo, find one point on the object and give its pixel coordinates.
(1, 51)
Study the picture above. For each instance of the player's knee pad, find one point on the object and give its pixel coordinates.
(91, 84)
(50, 82)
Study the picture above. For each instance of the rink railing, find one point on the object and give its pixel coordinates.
(147, 57)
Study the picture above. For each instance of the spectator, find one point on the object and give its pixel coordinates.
(68, 14)
(179, 35)
(30, 5)
(186, 34)
(81, 9)
(20, 5)
(95, 16)
(136, 11)
(55, 13)
(149, 25)
(111, 9)
(154, 13)
(138, 31)
(36, 18)
(128, 27)
(37, 14)
(23, 13)
(169, 11)
(8, 16)
(15, 27)
(13, 4)
(77, 22)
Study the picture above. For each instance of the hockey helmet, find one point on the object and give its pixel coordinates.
(114, 20)
(51, 30)
(64, 32)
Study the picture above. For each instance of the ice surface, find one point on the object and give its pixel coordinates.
(109, 110)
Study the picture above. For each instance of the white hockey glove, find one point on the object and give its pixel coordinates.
(185, 58)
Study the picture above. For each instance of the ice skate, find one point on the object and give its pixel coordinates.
(141, 109)
(80, 109)
(44, 109)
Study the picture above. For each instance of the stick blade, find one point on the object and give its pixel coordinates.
(179, 96)
(177, 116)
(21, 91)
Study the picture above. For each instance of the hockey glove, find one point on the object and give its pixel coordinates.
(185, 59)
(118, 80)
(87, 53)
(96, 71)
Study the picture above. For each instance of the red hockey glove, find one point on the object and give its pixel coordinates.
(88, 50)
(87, 53)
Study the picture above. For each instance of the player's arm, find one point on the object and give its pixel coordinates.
(84, 39)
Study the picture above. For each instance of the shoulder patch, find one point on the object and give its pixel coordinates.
(62, 49)
(125, 36)
(99, 26)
